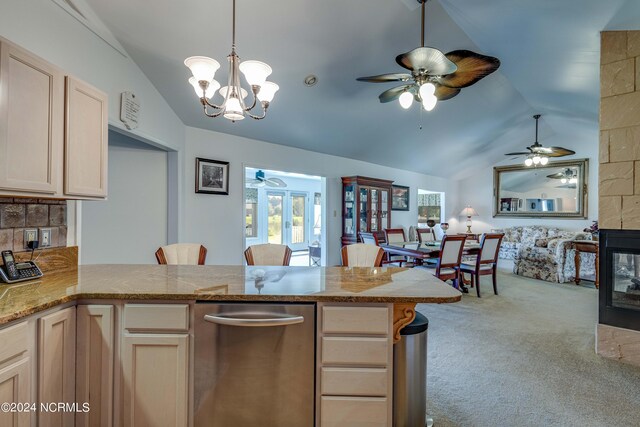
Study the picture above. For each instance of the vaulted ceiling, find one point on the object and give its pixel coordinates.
(550, 65)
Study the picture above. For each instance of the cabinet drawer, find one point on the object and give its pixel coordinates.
(162, 317)
(355, 351)
(355, 320)
(14, 341)
(354, 381)
(353, 411)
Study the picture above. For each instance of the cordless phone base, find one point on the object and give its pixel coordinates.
(25, 271)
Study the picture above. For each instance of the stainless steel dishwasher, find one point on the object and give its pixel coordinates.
(254, 365)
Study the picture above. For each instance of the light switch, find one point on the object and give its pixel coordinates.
(45, 237)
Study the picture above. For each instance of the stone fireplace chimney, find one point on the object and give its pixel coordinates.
(619, 177)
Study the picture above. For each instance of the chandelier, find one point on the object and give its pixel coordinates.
(233, 106)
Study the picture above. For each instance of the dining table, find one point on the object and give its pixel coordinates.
(421, 252)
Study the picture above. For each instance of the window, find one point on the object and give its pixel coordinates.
(429, 207)
(251, 212)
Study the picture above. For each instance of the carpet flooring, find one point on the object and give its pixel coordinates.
(525, 358)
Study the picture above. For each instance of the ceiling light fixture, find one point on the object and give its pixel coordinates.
(539, 155)
(233, 107)
(434, 76)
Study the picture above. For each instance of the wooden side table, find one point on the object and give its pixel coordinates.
(590, 247)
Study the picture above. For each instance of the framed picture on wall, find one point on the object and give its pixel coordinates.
(212, 176)
(399, 198)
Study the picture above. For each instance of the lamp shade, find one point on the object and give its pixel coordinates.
(405, 100)
(233, 110)
(255, 72)
(429, 102)
(468, 211)
(267, 91)
(202, 67)
(211, 89)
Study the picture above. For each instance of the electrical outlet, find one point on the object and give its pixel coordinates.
(30, 234)
(45, 237)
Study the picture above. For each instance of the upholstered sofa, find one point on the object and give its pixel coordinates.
(545, 253)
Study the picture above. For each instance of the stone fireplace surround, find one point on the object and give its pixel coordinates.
(619, 158)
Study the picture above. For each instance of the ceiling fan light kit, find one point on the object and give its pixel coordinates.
(233, 106)
(434, 76)
(539, 155)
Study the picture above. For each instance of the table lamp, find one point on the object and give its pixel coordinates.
(468, 212)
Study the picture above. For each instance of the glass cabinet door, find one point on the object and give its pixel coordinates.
(374, 210)
(384, 207)
(349, 202)
(363, 209)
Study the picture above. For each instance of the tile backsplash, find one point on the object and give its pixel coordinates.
(16, 214)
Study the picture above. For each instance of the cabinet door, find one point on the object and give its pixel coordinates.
(56, 364)
(155, 373)
(14, 388)
(31, 122)
(85, 140)
(94, 367)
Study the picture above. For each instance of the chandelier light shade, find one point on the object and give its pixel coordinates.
(468, 212)
(233, 106)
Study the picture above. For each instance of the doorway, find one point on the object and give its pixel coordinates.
(284, 208)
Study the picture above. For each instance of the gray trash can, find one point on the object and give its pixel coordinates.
(410, 375)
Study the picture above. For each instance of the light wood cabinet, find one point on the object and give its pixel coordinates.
(53, 130)
(15, 388)
(15, 378)
(56, 364)
(85, 140)
(31, 122)
(95, 364)
(155, 378)
(355, 365)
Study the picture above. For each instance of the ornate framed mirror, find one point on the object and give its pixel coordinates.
(556, 190)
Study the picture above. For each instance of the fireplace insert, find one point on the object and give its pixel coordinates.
(620, 278)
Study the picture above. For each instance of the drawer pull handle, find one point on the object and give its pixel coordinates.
(254, 319)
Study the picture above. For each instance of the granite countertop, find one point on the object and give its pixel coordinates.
(224, 283)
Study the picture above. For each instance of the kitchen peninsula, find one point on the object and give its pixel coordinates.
(124, 338)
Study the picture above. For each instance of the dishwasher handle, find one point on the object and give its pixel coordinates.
(254, 319)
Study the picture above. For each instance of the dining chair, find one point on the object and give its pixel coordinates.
(369, 238)
(395, 236)
(268, 254)
(362, 255)
(182, 254)
(426, 235)
(448, 263)
(486, 262)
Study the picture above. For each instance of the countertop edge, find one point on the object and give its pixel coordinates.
(223, 298)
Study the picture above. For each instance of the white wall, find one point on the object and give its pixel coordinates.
(477, 191)
(48, 31)
(132, 224)
(217, 221)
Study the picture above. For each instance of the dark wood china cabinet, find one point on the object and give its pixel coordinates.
(366, 206)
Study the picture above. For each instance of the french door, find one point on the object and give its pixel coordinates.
(287, 219)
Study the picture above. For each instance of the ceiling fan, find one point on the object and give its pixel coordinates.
(434, 76)
(538, 154)
(567, 176)
(261, 181)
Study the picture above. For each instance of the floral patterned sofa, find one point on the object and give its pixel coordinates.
(544, 253)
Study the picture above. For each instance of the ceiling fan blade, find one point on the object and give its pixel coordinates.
(558, 175)
(472, 67)
(443, 93)
(517, 154)
(427, 59)
(384, 78)
(560, 152)
(394, 93)
(275, 182)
